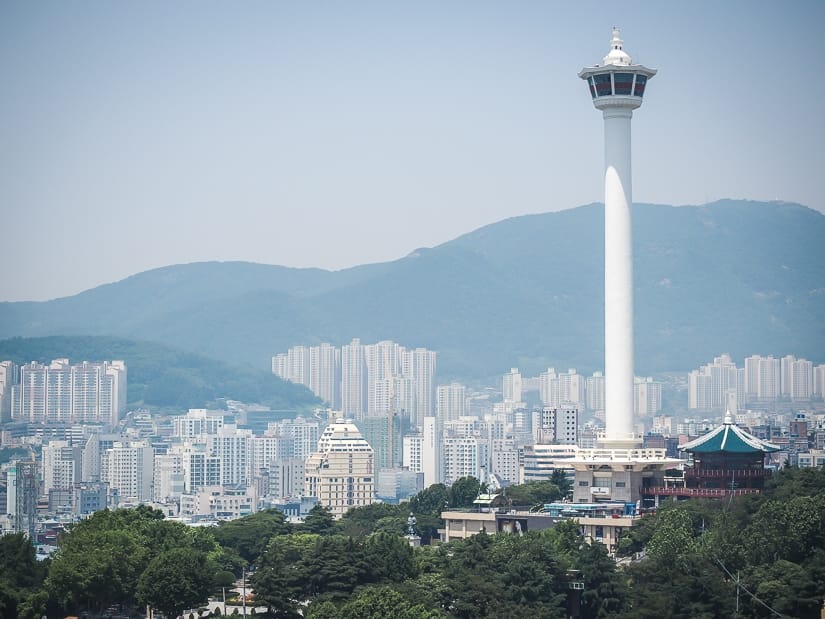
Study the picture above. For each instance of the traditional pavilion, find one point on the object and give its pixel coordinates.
(727, 460)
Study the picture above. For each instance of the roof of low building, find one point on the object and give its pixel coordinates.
(728, 438)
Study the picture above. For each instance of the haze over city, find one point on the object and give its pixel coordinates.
(325, 135)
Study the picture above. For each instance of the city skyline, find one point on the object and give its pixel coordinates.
(141, 137)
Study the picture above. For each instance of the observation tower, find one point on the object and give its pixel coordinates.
(617, 87)
(618, 470)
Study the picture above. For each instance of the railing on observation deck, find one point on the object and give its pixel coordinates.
(698, 492)
(732, 473)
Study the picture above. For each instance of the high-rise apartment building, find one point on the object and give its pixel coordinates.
(464, 456)
(353, 380)
(8, 379)
(62, 467)
(234, 448)
(316, 367)
(341, 473)
(128, 467)
(421, 367)
(384, 362)
(168, 478)
(713, 387)
(423, 452)
(561, 389)
(796, 378)
(557, 426)
(647, 396)
(65, 393)
(325, 373)
(511, 386)
(451, 401)
(504, 460)
(197, 422)
(386, 442)
(762, 378)
(200, 468)
(819, 381)
(594, 392)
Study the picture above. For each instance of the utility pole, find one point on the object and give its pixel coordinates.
(737, 592)
(243, 586)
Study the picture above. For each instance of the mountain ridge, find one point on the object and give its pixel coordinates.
(732, 276)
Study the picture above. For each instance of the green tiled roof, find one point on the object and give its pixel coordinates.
(728, 438)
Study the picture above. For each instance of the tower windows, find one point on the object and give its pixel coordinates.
(622, 83)
(603, 86)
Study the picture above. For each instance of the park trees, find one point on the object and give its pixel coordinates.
(20, 573)
(249, 536)
(101, 560)
(175, 580)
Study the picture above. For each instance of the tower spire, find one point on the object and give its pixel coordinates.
(617, 55)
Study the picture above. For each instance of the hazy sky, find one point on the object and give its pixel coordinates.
(141, 134)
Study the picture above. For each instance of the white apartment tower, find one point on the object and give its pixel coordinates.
(560, 389)
(464, 456)
(594, 392)
(61, 466)
(647, 396)
(762, 377)
(797, 378)
(819, 381)
(65, 393)
(511, 386)
(234, 448)
(325, 373)
(420, 367)
(127, 467)
(353, 380)
(451, 401)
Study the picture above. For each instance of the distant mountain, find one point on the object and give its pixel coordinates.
(733, 276)
(160, 376)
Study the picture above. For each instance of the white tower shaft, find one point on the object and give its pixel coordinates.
(618, 276)
(617, 87)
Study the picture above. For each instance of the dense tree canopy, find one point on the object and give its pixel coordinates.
(691, 559)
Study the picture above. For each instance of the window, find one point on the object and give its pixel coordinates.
(619, 484)
(603, 86)
(622, 83)
(641, 80)
(584, 484)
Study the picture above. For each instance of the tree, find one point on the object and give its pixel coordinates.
(360, 521)
(334, 568)
(20, 572)
(431, 501)
(176, 580)
(560, 479)
(383, 602)
(250, 535)
(693, 589)
(319, 520)
(280, 577)
(534, 493)
(673, 535)
(464, 491)
(389, 558)
(94, 569)
(605, 591)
